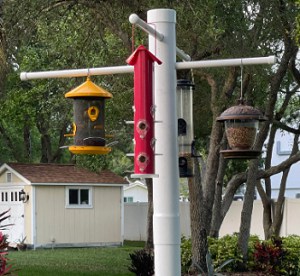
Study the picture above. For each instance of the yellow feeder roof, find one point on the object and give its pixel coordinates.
(89, 150)
(88, 89)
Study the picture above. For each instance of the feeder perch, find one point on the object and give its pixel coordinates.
(89, 116)
(241, 127)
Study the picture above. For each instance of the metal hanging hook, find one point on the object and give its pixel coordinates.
(88, 73)
(242, 72)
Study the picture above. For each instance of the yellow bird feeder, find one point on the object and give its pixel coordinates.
(89, 116)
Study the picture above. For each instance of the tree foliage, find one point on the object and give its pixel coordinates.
(52, 38)
(298, 24)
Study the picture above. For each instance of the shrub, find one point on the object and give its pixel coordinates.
(291, 262)
(4, 268)
(269, 256)
(221, 250)
(186, 254)
(142, 262)
(254, 239)
(226, 248)
(273, 257)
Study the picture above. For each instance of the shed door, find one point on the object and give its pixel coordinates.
(10, 199)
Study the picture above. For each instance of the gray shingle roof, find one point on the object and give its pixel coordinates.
(61, 173)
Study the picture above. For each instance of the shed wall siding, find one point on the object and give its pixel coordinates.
(60, 225)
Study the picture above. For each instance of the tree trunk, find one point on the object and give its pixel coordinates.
(46, 148)
(209, 183)
(198, 229)
(58, 153)
(247, 210)
(149, 241)
(216, 213)
(27, 143)
(218, 217)
(267, 202)
(267, 209)
(45, 141)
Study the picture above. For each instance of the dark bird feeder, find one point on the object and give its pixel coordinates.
(89, 116)
(241, 127)
(185, 89)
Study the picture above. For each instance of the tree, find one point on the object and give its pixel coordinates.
(252, 33)
(275, 84)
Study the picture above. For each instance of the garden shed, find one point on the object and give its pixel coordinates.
(55, 205)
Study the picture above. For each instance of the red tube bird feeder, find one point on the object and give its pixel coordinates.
(144, 140)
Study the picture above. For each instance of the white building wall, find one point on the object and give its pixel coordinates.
(136, 219)
(281, 151)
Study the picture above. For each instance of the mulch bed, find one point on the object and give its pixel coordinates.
(253, 273)
(245, 274)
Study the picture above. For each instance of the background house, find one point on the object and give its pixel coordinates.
(135, 192)
(281, 151)
(64, 205)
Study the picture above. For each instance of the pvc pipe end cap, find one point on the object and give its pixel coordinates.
(133, 18)
(272, 59)
(23, 76)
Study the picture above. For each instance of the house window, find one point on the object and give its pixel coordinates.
(4, 196)
(13, 196)
(128, 199)
(8, 177)
(79, 197)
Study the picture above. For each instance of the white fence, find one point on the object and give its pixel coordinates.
(135, 219)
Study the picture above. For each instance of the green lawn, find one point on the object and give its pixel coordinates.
(74, 261)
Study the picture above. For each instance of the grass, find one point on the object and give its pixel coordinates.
(106, 261)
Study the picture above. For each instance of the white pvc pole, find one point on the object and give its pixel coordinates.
(180, 53)
(166, 221)
(136, 20)
(225, 62)
(76, 72)
(129, 69)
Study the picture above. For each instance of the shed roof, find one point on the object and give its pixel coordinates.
(136, 185)
(62, 173)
